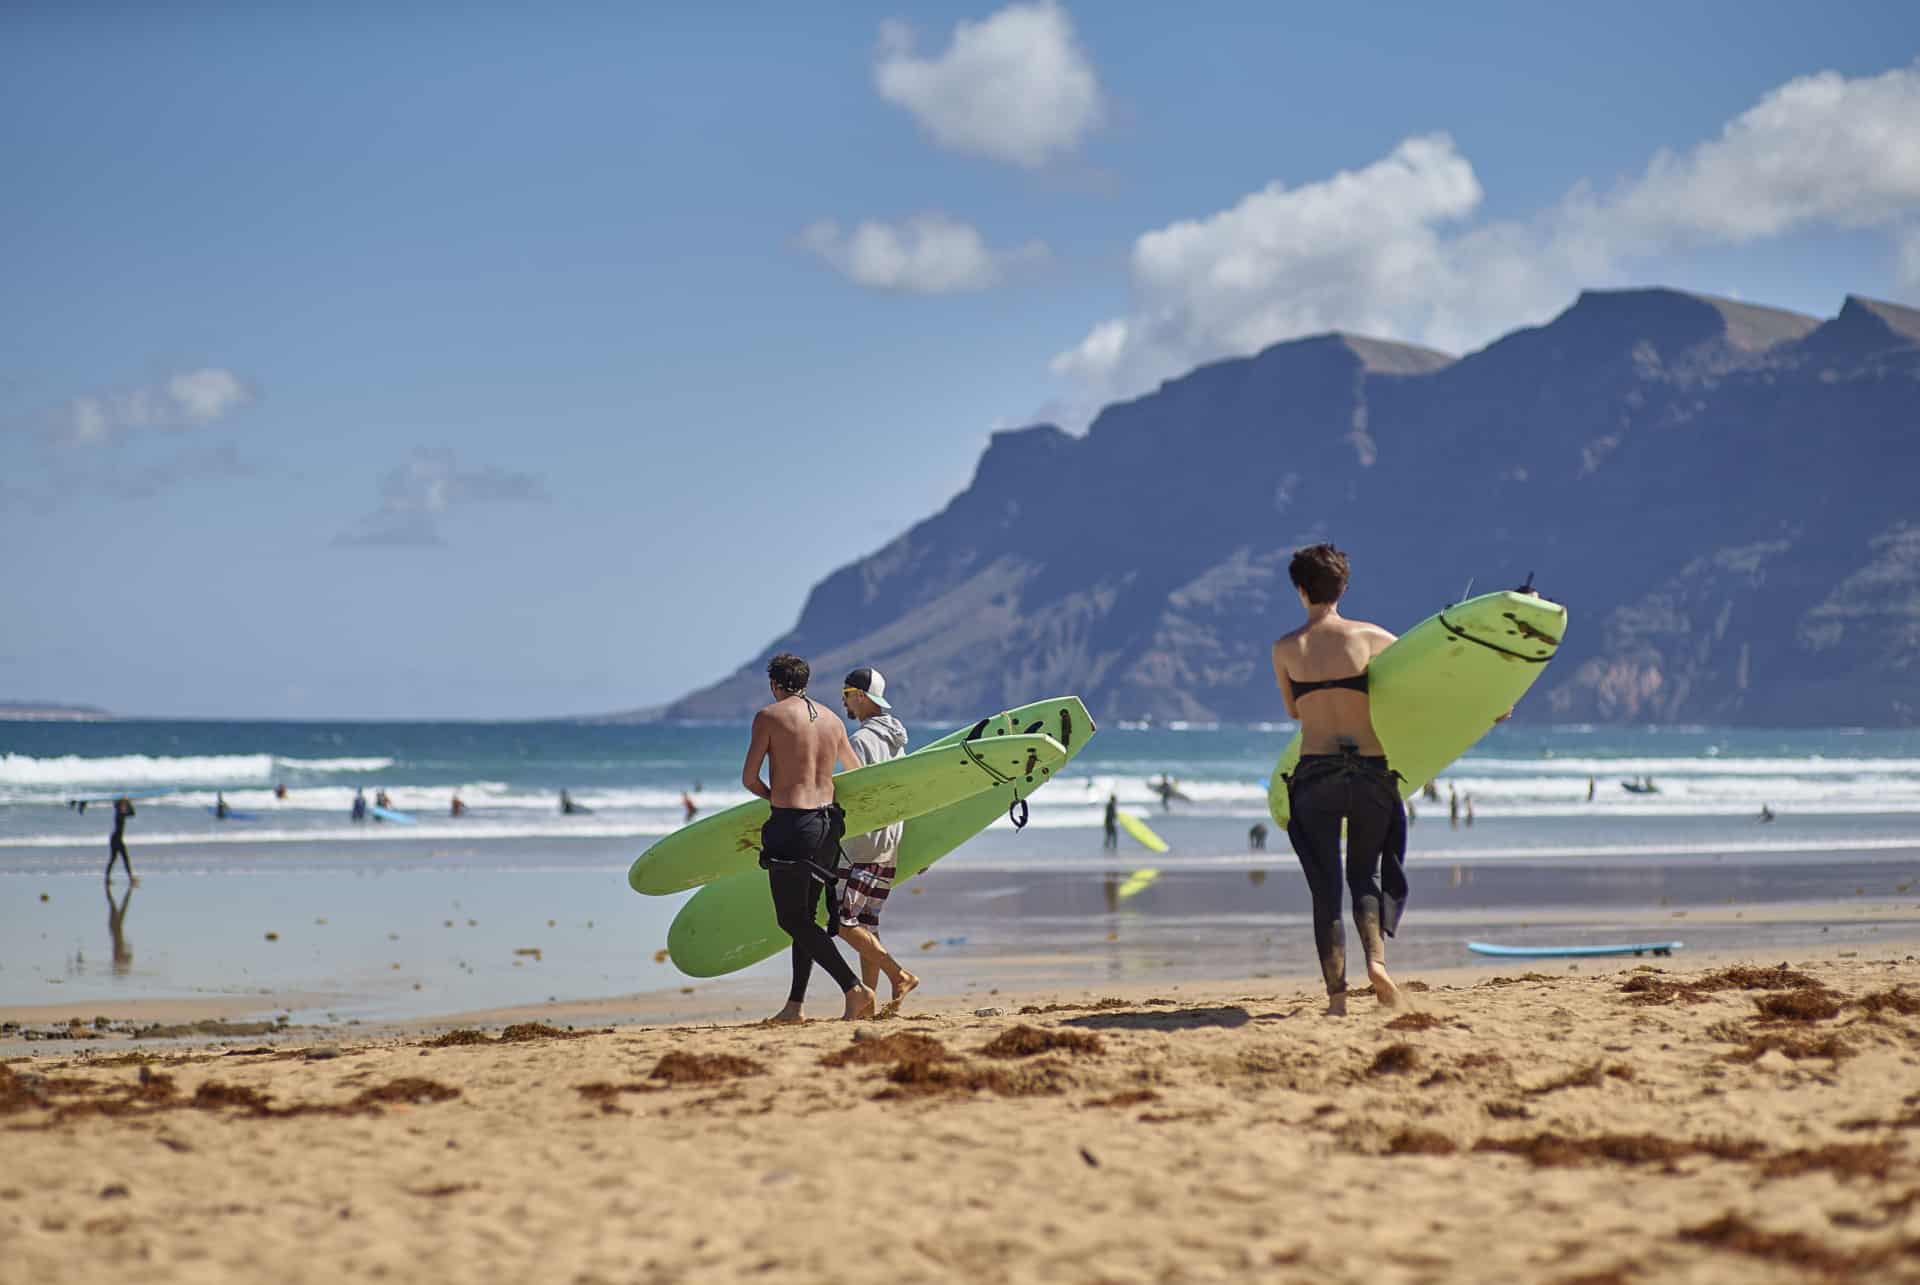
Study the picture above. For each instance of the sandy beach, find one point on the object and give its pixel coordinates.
(1692, 1120)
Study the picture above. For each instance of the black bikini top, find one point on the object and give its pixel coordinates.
(1356, 683)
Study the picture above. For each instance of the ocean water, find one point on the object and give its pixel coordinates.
(1841, 789)
(383, 919)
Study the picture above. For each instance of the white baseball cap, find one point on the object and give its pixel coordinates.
(868, 682)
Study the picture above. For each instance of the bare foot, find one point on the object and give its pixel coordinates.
(1336, 1005)
(859, 1004)
(788, 1016)
(904, 986)
(1383, 988)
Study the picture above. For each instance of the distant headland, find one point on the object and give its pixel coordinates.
(51, 712)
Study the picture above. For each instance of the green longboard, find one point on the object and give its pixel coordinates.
(1438, 688)
(729, 924)
(900, 789)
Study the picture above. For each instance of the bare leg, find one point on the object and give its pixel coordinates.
(1366, 918)
(860, 1002)
(876, 960)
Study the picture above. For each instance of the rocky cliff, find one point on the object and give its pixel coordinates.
(1724, 495)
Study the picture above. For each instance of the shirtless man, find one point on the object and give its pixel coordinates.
(1321, 670)
(799, 843)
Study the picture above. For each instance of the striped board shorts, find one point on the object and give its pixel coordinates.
(864, 893)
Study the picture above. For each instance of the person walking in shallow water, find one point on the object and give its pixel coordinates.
(1112, 839)
(1342, 777)
(117, 841)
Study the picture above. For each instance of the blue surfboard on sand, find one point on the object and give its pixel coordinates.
(1550, 952)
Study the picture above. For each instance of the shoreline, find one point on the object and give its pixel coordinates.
(733, 1002)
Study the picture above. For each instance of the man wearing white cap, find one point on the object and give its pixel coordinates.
(863, 895)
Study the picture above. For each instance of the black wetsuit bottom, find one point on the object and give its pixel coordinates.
(799, 847)
(117, 851)
(1323, 791)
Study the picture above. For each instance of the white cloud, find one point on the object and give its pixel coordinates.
(1391, 249)
(189, 399)
(927, 254)
(1819, 149)
(430, 485)
(1015, 87)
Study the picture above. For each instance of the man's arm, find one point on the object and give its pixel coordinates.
(757, 748)
(1284, 683)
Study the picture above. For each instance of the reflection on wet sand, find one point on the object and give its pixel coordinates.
(117, 926)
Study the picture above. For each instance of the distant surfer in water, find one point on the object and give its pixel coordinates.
(359, 805)
(1112, 839)
(566, 804)
(117, 841)
(1342, 776)
(686, 802)
(871, 857)
(220, 808)
(458, 807)
(800, 842)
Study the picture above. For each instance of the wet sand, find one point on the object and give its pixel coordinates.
(1687, 1119)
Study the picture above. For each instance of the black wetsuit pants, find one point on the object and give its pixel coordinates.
(796, 846)
(117, 851)
(1323, 791)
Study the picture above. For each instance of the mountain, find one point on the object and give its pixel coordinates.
(50, 712)
(1723, 494)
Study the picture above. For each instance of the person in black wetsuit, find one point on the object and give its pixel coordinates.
(1342, 776)
(800, 844)
(117, 842)
(1112, 839)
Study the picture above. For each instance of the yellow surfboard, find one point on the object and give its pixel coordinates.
(1134, 826)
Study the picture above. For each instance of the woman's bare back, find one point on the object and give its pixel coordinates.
(1335, 719)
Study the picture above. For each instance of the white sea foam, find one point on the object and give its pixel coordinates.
(1608, 769)
(442, 830)
(335, 765)
(133, 770)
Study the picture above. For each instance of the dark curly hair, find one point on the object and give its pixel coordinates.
(789, 673)
(1322, 571)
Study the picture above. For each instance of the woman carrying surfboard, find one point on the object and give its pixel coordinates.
(1342, 775)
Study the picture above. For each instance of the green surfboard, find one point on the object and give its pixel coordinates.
(729, 924)
(728, 842)
(1438, 688)
(1142, 832)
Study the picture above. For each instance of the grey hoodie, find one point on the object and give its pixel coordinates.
(877, 740)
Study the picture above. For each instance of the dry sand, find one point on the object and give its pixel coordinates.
(1650, 1120)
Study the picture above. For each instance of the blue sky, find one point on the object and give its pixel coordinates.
(503, 361)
